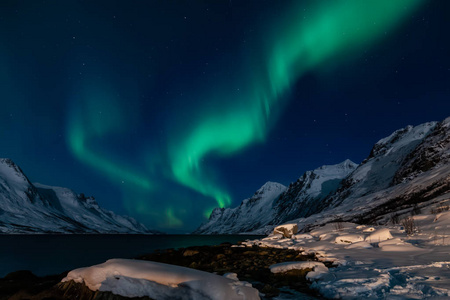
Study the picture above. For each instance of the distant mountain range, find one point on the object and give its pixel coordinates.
(404, 173)
(37, 208)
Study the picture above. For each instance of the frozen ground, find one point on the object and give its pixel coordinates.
(379, 262)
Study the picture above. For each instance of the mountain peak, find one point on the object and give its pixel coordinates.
(36, 208)
(340, 167)
(10, 170)
(271, 186)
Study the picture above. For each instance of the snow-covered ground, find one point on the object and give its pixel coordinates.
(136, 278)
(375, 262)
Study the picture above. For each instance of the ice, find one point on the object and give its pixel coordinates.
(136, 278)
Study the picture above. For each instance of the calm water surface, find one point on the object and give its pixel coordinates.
(54, 254)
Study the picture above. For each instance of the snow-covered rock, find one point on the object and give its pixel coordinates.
(287, 230)
(37, 208)
(349, 239)
(295, 265)
(379, 236)
(136, 278)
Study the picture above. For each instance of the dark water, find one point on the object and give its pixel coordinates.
(54, 254)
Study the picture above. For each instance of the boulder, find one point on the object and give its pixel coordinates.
(287, 230)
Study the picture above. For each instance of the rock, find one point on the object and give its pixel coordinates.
(287, 230)
(73, 291)
(26, 285)
(24, 275)
(270, 291)
(190, 252)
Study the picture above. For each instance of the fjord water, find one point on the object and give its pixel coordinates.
(54, 254)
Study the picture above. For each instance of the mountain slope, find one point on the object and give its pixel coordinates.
(36, 208)
(273, 203)
(405, 172)
(304, 197)
(253, 213)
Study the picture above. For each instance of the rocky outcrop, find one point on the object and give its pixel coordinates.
(432, 152)
(286, 230)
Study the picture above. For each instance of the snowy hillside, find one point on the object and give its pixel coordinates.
(253, 213)
(36, 208)
(273, 203)
(405, 172)
(305, 196)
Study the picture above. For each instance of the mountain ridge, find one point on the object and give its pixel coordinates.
(405, 171)
(36, 208)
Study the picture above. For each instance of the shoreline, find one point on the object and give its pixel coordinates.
(251, 264)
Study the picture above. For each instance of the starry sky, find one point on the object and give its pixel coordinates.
(163, 110)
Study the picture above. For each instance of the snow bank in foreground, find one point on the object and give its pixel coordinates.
(378, 262)
(135, 278)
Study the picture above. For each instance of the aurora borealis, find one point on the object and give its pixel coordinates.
(165, 110)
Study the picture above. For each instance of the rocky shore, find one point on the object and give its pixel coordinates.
(249, 263)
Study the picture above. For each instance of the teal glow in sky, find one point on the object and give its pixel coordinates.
(297, 47)
(164, 110)
(237, 121)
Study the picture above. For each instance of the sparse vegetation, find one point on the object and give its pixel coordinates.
(416, 210)
(440, 209)
(409, 225)
(395, 219)
(338, 226)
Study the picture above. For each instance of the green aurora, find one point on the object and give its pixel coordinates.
(330, 32)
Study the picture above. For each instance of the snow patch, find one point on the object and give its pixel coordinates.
(135, 278)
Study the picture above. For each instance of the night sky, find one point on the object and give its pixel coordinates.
(163, 110)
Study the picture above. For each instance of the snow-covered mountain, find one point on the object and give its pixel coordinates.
(305, 196)
(273, 203)
(405, 172)
(253, 213)
(36, 208)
